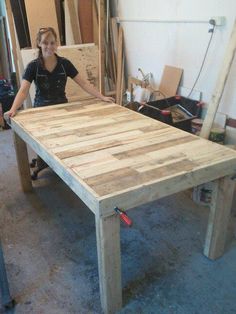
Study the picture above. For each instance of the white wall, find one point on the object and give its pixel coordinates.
(150, 46)
(2, 8)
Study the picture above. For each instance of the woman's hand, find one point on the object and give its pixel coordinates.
(9, 114)
(108, 99)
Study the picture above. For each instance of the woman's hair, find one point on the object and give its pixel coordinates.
(42, 31)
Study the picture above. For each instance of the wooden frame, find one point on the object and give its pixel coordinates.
(220, 85)
(101, 27)
(122, 158)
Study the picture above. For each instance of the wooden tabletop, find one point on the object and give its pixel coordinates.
(112, 156)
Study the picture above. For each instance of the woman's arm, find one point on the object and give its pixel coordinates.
(90, 89)
(20, 97)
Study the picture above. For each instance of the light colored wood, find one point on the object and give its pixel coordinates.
(72, 26)
(221, 204)
(134, 80)
(122, 156)
(67, 176)
(40, 14)
(170, 81)
(119, 66)
(112, 156)
(122, 84)
(85, 59)
(109, 264)
(101, 46)
(113, 54)
(220, 85)
(23, 163)
(114, 30)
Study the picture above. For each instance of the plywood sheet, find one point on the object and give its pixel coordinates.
(85, 59)
(41, 14)
(170, 80)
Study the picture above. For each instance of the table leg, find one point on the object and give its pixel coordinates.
(109, 262)
(23, 163)
(222, 196)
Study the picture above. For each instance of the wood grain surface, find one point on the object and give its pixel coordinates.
(112, 156)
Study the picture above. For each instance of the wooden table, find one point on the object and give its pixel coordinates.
(112, 156)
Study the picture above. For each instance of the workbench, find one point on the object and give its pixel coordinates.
(111, 156)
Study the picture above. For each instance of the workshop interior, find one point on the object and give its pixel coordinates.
(118, 157)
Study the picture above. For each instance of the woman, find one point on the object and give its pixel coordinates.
(49, 73)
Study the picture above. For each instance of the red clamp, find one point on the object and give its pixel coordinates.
(123, 216)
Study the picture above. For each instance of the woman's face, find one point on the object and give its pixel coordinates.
(48, 44)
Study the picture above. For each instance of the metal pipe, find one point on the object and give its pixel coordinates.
(141, 20)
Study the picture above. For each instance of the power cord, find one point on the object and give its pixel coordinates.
(211, 30)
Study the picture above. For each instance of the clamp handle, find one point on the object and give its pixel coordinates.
(123, 216)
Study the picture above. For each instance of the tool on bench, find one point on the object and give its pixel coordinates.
(123, 216)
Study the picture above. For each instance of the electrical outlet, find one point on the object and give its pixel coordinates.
(218, 20)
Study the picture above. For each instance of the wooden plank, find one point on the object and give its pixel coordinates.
(41, 14)
(13, 39)
(95, 23)
(220, 85)
(60, 11)
(5, 58)
(170, 81)
(155, 189)
(85, 13)
(113, 54)
(119, 66)
(101, 46)
(21, 24)
(109, 264)
(85, 59)
(114, 30)
(23, 163)
(72, 23)
(122, 84)
(156, 154)
(222, 196)
(78, 187)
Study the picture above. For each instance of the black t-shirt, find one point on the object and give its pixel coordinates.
(50, 86)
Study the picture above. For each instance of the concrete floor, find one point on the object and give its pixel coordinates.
(49, 242)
